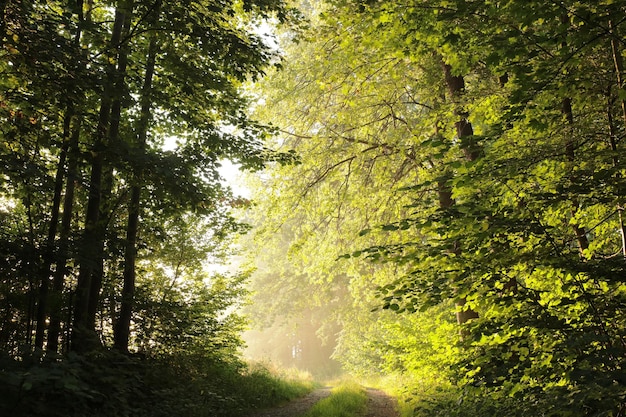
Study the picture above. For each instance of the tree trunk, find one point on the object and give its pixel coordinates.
(58, 281)
(122, 327)
(618, 63)
(106, 206)
(465, 134)
(83, 331)
(42, 305)
(579, 231)
(72, 129)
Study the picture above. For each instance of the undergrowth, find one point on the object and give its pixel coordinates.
(437, 397)
(112, 385)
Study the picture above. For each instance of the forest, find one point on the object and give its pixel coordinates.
(434, 200)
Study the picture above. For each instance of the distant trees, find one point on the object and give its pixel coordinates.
(470, 149)
(90, 93)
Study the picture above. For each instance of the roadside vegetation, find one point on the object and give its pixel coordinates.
(348, 399)
(437, 195)
(110, 384)
(457, 215)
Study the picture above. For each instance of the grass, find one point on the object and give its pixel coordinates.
(109, 384)
(435, 396)
(265, 386)
(346, 400)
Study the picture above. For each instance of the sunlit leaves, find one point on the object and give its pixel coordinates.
(529, 236)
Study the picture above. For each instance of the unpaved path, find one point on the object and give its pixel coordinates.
(297, 407)
(379, 404)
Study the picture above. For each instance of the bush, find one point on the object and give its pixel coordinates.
(112, 385)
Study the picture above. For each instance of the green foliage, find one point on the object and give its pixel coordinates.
(72, 386)
(430, 399)
(524, 233)
(109, 384)
(263, 387)
(91, 94)
(195, 318)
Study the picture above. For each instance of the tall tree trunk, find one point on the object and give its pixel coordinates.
(83, 330)
(122, 328)
(465, 134)
(42, 305)
(113, 140)
(618, 63)
(58, 281)
(106, 208)
(566, 110)
(72, 129)
(579, 231)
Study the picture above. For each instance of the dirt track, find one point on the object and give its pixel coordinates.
(379, 404)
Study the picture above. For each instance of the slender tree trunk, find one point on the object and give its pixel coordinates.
(579, 231)
(58, 281)
(33, 263)
(113, 140)
(83, 335)
(618, 63)
(465, 134)
(97, 274)
(106, 208)
(122, 328)
(42, 305)
(566, 110)
(73, 124)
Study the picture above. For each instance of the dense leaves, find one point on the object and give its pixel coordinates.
(94, 95)
(106, 384)
(114, 119)
(472, 151)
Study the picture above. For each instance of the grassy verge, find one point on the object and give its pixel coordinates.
(347, 400)
(108, 384)
(264, 386)
(436, 397)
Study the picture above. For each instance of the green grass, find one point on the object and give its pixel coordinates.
(264, 386)
(435, 396)
(346, 400)
(109, 384)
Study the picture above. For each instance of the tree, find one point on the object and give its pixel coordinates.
(516, 217)
(345, 182)
(91, 92)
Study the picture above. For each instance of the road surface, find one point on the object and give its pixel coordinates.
(379, 404)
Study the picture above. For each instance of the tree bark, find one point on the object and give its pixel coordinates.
(83, 330)
(579, 231)
(58, 281)
(72, 129)
(618, 62)
(465, 134)
(122, 327)
(42, 305)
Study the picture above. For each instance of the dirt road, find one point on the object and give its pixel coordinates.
(379, 404)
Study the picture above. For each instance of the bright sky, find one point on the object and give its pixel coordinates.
(232, 177)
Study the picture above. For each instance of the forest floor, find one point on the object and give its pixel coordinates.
(379, 404)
